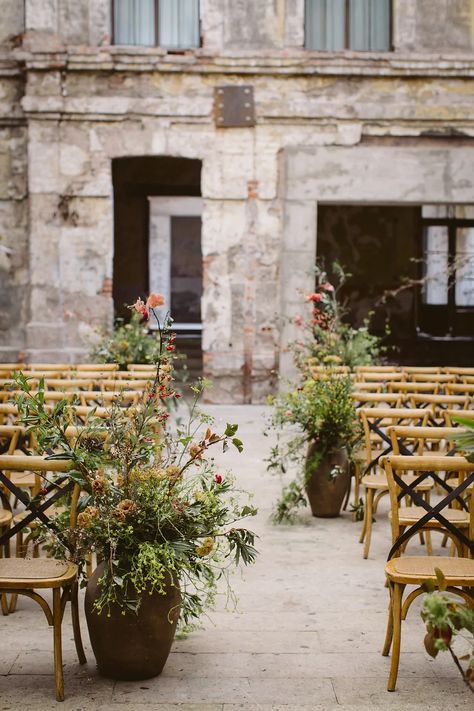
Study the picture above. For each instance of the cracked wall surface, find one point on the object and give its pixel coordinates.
(71, 103)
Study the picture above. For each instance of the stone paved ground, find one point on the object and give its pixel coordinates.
(307, 635)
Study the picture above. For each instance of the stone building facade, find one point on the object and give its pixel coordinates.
(330, 128)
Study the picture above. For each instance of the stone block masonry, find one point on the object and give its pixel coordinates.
(72, 102)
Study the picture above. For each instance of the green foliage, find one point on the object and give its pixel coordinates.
(327, 337)
(128, 343)
(153, 505)
(323, 412)
(446, 620)
(465, 440)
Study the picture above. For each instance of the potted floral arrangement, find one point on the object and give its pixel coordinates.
(327, 340)
(324, 414)
(128, 343)
(162, 521)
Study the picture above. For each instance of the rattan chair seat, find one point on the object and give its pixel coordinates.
(5, 517)
(417, 569)
(20, 479)
(379, 481)
(411, 514)
(35, 572)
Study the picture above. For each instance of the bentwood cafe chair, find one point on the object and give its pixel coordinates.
(20, 576)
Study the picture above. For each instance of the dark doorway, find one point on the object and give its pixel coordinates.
(135, 181)
(381, 246)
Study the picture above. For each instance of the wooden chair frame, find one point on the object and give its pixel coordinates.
(25, 580)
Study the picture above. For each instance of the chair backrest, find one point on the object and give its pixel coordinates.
(420, 438)
(459, 371)
(417, 465)
(375, 420)
(437, 403)
(451, 413)
(385, 376)
(411, 387)
(375, 368)
(370, 386)
(364, 399)
(460, 389)
(96, 367)
(420, 369)
(35, 464)
(433, 377)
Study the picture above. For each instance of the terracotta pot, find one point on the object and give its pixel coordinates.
(325, 495)
(132, 646)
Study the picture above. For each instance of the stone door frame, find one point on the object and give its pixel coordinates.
(370, 174)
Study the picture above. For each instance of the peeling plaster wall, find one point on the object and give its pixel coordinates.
(86, 102)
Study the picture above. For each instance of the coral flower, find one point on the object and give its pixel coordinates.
(140, 307)
(155, 300)
(313, 297)
(298, 320)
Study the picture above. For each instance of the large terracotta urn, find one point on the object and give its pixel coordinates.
(326, 492)
(135, 645)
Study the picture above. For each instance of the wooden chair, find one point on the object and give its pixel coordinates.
(411, 387)
(460, 389)
(449, 414)
(96, 367)
(385, 376)
(21, 576)
(377, 444)
(432, 378)
(459, 372)
(371, 386)
(375, 368)
(414, 369)
(404, 570)
(365, 399)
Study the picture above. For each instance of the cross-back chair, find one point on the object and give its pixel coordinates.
(21, 576)
(377, 444)
(403, 570)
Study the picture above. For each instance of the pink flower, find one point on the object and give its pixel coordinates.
(289, 413)
(298, 320)
(313, 297)
(218, 479)
(140, 307)
(155, 300)
(326, 286)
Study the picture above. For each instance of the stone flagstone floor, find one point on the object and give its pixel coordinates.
(307, 634)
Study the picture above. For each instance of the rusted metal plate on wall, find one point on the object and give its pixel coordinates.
(234, 106)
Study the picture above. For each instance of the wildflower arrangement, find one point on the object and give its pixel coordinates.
(153, 506)
(326, 338)
(322, 412)
(129, 342)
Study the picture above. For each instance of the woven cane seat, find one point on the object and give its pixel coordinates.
(379, 481)
(5, 517)
(416, 569)
(23, 479)
(35, 572)
(408, 515)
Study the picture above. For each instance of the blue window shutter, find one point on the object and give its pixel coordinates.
(134, 22)
(325, 24)
(179, 24)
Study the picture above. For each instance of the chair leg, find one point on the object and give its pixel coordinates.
(58, 656)
(75, 624)
(356, 483)
(397, 633)
(369, 515)
(364, 521)
(4, 604)
(429, 544)
(389, 633)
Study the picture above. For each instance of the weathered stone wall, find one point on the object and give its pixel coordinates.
(13, 199)
(86, 103)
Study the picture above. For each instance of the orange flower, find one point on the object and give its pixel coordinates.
(155, 300)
